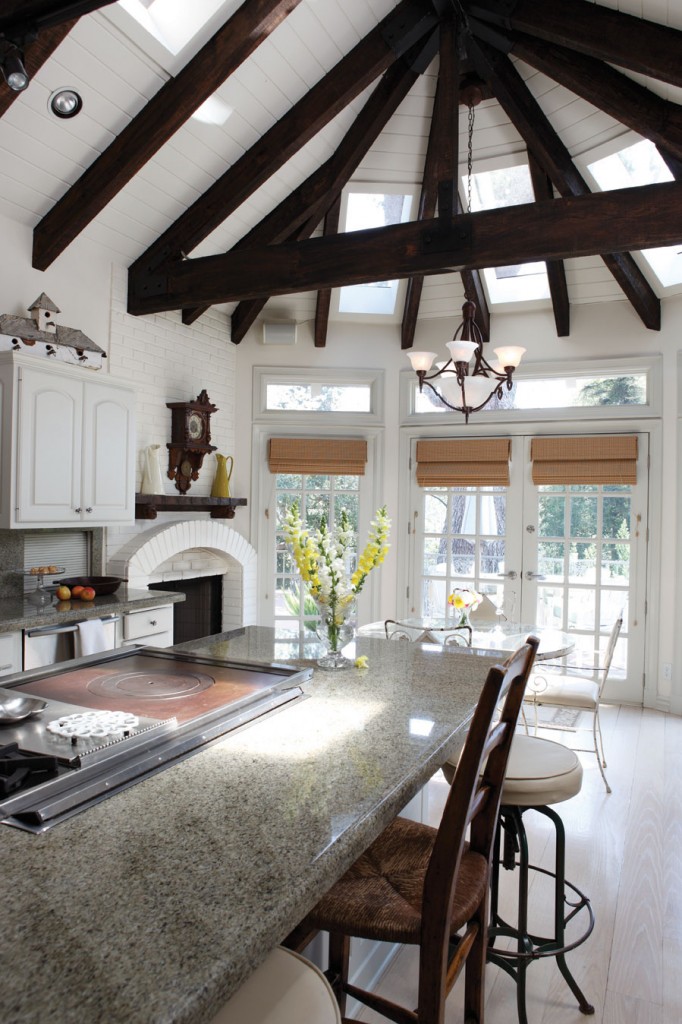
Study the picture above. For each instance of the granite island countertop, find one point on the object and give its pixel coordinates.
(154, 905)
(22, 613)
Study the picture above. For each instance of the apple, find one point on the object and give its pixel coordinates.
(63, 593)
(77, 591)
(87, 594)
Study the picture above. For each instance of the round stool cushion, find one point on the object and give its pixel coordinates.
(285, 989)
(540, 772)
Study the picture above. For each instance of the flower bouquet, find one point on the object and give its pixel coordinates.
(323, 559)
(464, 601)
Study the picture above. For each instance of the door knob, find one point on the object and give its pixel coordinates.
(511, 575)
(79, 509)
(534, 575)
(88, 509)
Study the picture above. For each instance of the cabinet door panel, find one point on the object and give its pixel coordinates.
(48, 451)
(108, 454)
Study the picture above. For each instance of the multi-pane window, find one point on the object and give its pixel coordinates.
(320, 497)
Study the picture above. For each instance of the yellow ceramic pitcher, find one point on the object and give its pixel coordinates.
(221, 483)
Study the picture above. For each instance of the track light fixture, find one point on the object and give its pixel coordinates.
(12, 66)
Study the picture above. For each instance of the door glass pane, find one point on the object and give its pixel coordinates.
(550, 607)
(616, 517)
(583, 516)
(551, 513)
(581, 605)
(615, 563)
(551, 559)
(463, 543)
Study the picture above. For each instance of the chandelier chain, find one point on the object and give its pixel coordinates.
(470, 153)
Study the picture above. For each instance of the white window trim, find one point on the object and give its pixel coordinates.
(504, 419)
(264, 375)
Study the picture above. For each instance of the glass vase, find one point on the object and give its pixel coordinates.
(335, 630)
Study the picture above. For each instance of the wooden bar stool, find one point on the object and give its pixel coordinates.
(285, 989)
(539, 773)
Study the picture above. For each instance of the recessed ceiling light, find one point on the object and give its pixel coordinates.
(65, 102)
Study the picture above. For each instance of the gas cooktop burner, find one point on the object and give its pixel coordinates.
(150, 685)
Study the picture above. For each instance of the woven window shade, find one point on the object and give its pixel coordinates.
(477, 463)
(584, 460)
(339, 455)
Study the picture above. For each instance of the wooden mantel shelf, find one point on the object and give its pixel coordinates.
(148, 505)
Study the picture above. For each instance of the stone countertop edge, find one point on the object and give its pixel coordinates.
(21, 614)
(152, 907)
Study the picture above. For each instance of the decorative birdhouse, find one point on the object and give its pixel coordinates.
(43, 311)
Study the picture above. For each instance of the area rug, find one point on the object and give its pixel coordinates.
(557, 718)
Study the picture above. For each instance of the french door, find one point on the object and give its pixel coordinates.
(570, 557)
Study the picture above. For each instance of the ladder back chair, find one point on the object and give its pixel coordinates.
(430, 887)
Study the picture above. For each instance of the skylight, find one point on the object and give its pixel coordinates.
(172, 22)
(373, 210)
(490, 190)
(641, 164)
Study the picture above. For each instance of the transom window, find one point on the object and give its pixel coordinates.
(576, 391)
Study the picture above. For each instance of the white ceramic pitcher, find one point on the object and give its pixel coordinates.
(152, 480)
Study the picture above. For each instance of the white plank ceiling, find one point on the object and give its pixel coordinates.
(117, 68)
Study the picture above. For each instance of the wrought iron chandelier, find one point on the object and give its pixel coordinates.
(461, 386)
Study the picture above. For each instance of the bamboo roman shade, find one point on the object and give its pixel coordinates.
(340, 455)
(584, 460)
(477, 463)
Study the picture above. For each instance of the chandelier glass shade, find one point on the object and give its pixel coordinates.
(464, 386)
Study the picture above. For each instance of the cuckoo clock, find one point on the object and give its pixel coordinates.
(190, 439)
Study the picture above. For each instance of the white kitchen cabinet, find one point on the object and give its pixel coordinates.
(68, 446)
(10, 654)
(150, 627)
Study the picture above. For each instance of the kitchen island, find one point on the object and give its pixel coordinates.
(154, 905)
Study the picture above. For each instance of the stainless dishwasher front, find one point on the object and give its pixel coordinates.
(48, 645)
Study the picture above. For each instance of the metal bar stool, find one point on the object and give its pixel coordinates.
(285, 989)
(539, 773)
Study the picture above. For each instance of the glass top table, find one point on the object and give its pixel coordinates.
(484, 636)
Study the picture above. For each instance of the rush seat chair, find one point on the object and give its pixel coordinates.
(430, 887)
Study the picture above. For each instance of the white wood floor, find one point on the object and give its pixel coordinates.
(624, 850)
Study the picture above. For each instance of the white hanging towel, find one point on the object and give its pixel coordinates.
(91, 638)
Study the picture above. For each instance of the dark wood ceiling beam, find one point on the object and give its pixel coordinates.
(35, 55)
(609, 90)
(620, 220)
(556, 271)
(595, 30)
(311, 200)
(19, 16)
(444, 121)
(551, 154)
(395, 35)
(674, 165)
(324, 295)
(155, 124)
